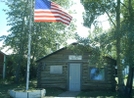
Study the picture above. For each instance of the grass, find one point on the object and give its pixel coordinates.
(4, 90)
(97, 94)
(53, 92)
(6, 86)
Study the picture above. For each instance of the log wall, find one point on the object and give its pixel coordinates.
(46, 79)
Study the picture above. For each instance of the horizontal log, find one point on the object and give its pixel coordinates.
(52, 82)
(54, 85)
(53, 79)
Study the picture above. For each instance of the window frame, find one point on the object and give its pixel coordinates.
(104, 77)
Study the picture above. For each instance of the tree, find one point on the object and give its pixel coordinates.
(96, 8)
(127, 40)
(123, 31)
(44, 35)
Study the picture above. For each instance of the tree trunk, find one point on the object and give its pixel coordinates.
(17, 74)
(18, 70)
(130, 52)
(129, 82)
(121, 85)
(20, 55)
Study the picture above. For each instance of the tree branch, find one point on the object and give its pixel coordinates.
(110, 18)
(124, 5)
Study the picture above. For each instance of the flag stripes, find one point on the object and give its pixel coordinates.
(54, 14)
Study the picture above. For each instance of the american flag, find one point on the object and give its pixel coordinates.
(47, 11)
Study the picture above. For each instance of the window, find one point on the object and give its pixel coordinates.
(97, 74)
(56, 69)
(75, 57)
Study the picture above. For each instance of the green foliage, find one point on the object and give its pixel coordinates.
(107, 41)
(95, 8)
(120, 13)
(127, 30)
(96, 50)
(104, 42)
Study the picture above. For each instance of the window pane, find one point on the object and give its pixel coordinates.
(56, 69)
(97, 74)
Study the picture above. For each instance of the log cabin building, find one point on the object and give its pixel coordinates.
(70, 69)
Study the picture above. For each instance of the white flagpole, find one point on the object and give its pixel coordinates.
(29, 46)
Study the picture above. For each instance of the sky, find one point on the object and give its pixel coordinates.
(3, 22)
(81, 30)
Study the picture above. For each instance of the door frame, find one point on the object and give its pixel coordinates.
(69, 74)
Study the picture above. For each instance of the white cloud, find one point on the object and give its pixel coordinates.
(6, 51)
(104, 22)
(81, 30)
(69, 41)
